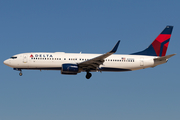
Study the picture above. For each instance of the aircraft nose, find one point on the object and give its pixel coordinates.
(6, 62)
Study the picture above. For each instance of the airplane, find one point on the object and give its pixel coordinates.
(74, 63)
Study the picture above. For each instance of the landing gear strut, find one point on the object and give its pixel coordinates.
(88, 75)
(20, 74)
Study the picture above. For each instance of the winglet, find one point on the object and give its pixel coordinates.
(115, 47)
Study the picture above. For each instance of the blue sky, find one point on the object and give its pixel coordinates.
(89, 27)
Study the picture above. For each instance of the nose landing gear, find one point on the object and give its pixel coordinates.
(20, 74)
(18, 69)
(88, 75)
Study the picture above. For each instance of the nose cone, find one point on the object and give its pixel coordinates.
(6, 62)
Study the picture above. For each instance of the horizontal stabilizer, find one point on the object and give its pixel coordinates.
(164, 57)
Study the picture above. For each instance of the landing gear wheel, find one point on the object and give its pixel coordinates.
(20, 74)
(88, 75)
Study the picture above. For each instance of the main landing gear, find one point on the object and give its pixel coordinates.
(88, 75)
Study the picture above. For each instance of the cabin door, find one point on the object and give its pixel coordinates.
(24, 58)
(141, 61)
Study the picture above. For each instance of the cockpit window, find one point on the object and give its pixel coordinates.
(13, 57)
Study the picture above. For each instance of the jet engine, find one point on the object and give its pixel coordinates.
(70, 69)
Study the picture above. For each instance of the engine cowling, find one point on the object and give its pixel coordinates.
(70, 69)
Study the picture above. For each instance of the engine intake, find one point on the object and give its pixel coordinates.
(70, 69)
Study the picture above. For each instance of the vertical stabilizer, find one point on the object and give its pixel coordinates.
(159, 46)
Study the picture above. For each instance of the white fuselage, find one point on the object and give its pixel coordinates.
(73, 63)
(54, 61)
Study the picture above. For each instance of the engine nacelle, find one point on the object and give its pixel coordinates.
(70, 69)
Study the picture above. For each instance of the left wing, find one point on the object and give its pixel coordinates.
(94, 63)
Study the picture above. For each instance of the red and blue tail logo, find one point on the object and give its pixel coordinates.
(159, 45)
